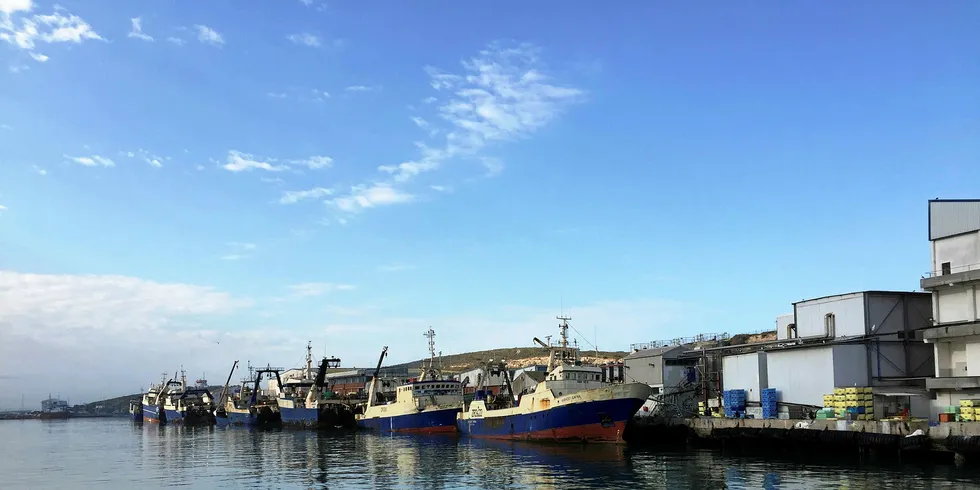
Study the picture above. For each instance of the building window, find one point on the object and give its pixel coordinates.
(830, 324)
(947, 268)
(791, 331)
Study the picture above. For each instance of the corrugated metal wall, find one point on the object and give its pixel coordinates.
(802, 375)
(647, 370)
(948, 218)
(745, 372)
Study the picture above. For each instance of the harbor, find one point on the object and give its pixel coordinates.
(859, 373)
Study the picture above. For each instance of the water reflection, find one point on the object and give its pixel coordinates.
(117, 454)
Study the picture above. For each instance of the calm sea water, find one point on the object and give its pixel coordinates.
(114, 453)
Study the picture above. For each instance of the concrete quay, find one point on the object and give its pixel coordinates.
(913, 439)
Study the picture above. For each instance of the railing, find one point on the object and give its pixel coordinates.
(656, 344)
(952, 270)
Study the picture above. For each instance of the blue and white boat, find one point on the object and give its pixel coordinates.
(250, 407)
(153, 401)
(308, 402)
(189, 405)
(573, 403)
(427, 405)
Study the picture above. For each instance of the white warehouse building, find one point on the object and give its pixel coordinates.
(856, 339)
(953, 281)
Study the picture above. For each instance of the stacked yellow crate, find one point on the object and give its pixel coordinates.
(701, 406)
(855, 399)
(969, 410)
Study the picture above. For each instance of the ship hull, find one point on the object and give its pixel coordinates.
(264, 417)
(54, 415)
(425, 422)
(154, 414)
(593, 421)
(299, 416)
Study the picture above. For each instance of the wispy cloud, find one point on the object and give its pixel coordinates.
(3, 208)
(305, 39)
(319, 95)
(396, 267)
(92, 161)
(242, 162)
(40, 58)
(370, 196)
(40, 171)
(176, 40)
(149, 158)
(6, 127)
(422, 123)
(308, 289)
(493, 166)
(58, 27)
(315, 162)
(239, 250)
(137, 30)
(501, 94)
(208, 35)
(292, 197)
(276, 95)
(18, 68)
(441, 188)
(361, 88)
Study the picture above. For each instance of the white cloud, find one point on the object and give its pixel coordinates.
(208, 35)
(92, 161)
(239, 250)
(40, 58)
(441, 188)
(493, 166)
(10, 6)
(199, 168)
(6, 127)
(363, 197)
(319, 95)
(108, 322)
(137, 30)
(360, 88)
(292, 197)
(306, 2)
(429, 100)
(272, 180)
(40, 171)
(176, 40)
(58, 27)
(396, 267)
(305, 39)
(276, 95)
(422, 123)
(18, 68)
(308, 289)
(315, 162)
(239, 162)
(500, 95)
(149, 158)
(3, 208)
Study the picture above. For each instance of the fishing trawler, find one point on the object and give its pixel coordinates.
(307, 401)
(136, 410)
(427, 405)
(189, 405)
(54, 408)
(153, 401)
(250, 407)
(573, 403)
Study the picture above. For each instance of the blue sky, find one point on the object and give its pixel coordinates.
(210, 183)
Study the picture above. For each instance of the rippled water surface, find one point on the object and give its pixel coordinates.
(114, 453)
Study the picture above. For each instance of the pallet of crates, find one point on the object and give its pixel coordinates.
(734, 403)
(770, 403)
(969, 411)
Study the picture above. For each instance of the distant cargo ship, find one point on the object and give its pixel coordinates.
(573, 403)
(427, 405)
(54, 408)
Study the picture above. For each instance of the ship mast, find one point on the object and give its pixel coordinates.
(430, 372)
(309, 360)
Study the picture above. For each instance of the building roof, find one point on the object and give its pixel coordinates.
(659, 351)
(951, 217)
(537, 376)
(888, 293)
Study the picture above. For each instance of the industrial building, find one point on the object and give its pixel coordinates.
(865, 338)
(654, 366)
(954, 238)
